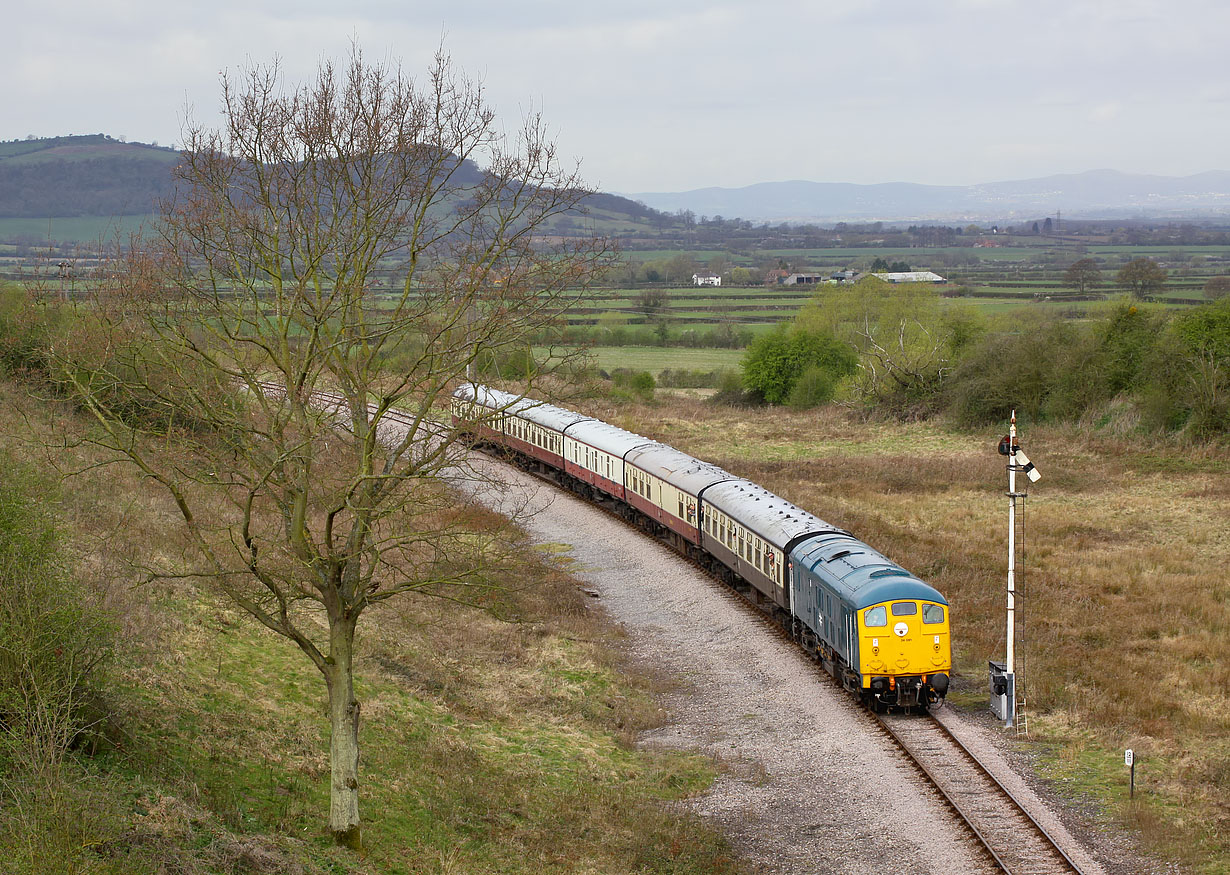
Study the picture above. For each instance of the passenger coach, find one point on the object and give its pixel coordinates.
(882, 632)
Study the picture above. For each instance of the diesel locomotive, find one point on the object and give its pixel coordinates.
(879, 630)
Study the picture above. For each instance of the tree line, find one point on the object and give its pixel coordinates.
(897, 350)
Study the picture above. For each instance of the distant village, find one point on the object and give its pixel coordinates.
(785, 278)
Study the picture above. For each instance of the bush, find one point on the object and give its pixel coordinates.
(730, 391)
(776, 361)
(684, 378)
(1189, 378)
(25, 332)
(1127, 342)
(1013, 370)
(816, 386)
(54, 642)
(633, 384)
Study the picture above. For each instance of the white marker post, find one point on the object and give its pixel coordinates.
(1129, 760)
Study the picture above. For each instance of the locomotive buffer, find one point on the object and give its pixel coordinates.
(1004, 675)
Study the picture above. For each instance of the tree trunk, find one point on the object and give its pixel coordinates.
(344, 740)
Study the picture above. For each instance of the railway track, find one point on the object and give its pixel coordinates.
(1017, 843)
(1013, 840)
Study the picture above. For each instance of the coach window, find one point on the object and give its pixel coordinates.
(933, 614)
(877, 616)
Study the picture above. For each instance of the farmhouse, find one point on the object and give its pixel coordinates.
(707, 279)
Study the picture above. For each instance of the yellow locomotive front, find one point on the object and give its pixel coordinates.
(905, 654)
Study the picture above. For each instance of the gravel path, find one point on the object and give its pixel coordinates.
(804, 788)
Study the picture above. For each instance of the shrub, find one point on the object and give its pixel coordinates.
(1128, 339)
(54, 642)
(25, 332)
(776, 361)
(1010, 370)
(730, 390)
(634, 384)
(816, 386)
(1189, 378)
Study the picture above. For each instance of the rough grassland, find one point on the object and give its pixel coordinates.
(1125, 595)
(489, 745)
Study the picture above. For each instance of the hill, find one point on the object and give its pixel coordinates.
(91, 175)
(1094, 194)
(96, 175)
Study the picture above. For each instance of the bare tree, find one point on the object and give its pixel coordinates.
(1082, 274)
(336, 258)
(1217, 287)
(1141, 277)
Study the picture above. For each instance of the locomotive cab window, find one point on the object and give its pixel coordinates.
(876, 616)
(933, 613)
(904, 609)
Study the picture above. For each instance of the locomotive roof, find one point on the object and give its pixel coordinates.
(606, 437)
(770, 516)
(677, 468)
(861, 575)
(538, 412)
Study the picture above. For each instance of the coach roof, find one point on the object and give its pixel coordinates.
(537, 412)
(606, 437)
(677, 467)
(770, 516)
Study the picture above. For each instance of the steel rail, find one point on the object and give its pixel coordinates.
(956, 749)
(966, 818)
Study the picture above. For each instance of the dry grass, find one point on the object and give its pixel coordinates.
(493, 741)
(1125, 594)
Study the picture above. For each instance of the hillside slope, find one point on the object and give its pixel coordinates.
(82, 176)
(96, 175)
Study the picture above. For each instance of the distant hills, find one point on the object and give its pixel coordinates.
(91, 175)
(98, 176)
(1094, 194)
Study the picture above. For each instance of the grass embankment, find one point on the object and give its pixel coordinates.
(488, 745)
(1124, 591)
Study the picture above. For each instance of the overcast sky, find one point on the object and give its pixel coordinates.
(671, 95)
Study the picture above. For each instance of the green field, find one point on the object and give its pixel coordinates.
(88, 230)
(656, 358)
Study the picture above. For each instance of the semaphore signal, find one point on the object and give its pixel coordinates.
(1018, 461)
